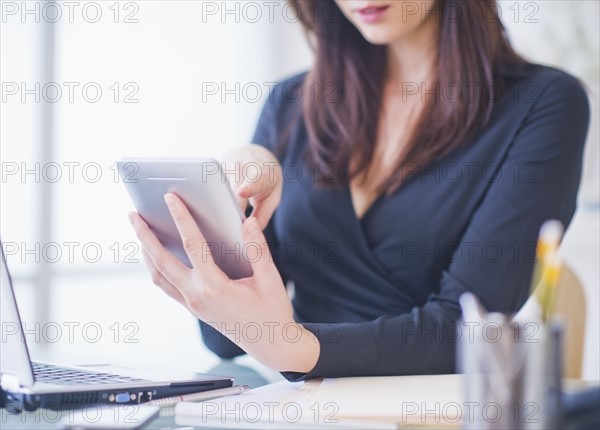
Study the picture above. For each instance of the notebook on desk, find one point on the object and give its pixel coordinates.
(427, 400)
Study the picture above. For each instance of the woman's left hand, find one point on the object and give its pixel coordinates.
(253, 312)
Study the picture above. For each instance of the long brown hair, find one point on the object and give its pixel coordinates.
(349, 76)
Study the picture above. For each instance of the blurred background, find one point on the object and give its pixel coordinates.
(87, 83)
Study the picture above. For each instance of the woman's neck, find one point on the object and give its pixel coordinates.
(413, 58)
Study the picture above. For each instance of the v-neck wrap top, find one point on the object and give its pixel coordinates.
(381, 292)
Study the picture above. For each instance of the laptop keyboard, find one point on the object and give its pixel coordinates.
(65, 376)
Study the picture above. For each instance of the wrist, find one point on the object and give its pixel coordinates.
(301, 353)
(293, 348)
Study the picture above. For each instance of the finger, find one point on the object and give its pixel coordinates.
(258, 251)
(163, 261)
(193, 241)
(160, 281)
(263, 210)
(250, 189)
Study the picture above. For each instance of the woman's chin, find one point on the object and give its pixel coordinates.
(379, 37)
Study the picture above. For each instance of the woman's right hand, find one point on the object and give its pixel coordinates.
(256, 179)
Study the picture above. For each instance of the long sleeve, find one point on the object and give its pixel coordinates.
(538, 180)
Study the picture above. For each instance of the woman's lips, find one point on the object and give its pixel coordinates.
(372, 14)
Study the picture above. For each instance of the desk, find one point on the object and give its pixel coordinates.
(285, 392)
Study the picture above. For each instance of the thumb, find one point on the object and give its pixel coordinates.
(258, 252)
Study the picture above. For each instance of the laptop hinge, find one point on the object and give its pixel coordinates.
(10, 382)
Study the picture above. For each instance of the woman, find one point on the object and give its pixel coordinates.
(414, 162)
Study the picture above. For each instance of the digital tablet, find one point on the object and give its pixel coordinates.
(203, 186)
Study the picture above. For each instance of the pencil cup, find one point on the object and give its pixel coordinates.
(512, 373)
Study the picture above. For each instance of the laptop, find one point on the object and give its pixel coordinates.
(28, 385)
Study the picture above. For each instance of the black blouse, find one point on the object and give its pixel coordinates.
(381, 292)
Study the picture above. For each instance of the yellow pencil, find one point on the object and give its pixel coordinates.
(551, 271)
(548, 266)
(549, 239)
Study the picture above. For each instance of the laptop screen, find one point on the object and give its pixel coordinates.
(14, 356)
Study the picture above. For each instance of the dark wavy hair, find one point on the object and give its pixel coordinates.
(472, 48)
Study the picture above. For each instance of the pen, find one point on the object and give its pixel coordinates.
(199, 397)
